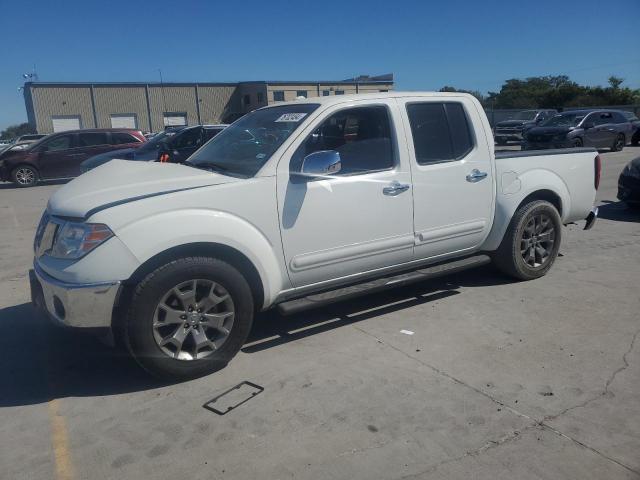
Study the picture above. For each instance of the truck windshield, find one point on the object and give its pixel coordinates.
(564, 120)
(245, 146)
(526, 115)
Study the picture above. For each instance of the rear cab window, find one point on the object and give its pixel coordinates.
(441, 131)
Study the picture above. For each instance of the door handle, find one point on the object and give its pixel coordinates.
(476, 175)
(395, 188)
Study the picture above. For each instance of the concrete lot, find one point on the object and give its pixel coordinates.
(501, 380)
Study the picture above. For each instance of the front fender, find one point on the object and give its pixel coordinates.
(513, 189)
(157, 233)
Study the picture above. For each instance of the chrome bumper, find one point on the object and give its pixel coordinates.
(88, 305)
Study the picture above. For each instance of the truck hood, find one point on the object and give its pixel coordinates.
(122, 181)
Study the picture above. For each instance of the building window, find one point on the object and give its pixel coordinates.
(325, 93)
(278, 96)
(301, 93)
(247, 99)
(260, 97)
(339, 92)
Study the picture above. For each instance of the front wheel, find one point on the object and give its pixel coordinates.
(189, 318)
(577, 143)
(531, 243)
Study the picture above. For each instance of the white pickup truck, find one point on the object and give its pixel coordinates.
(296, 205)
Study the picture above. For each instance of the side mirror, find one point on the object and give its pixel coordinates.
(321, 164)
(588, 125)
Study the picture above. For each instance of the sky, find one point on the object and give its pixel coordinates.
(471, 44)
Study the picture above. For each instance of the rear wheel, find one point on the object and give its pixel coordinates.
(189, 318)
(24, 176)
(576, 143)
(618, 145)
(531, 243)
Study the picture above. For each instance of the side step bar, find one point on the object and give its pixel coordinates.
(332, 296)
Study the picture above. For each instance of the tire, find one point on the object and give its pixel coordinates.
(510, 258)
(24, 176)
(618, 144)
(156, 314)
(577, 143)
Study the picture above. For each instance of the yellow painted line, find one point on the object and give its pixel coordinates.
(60, 442)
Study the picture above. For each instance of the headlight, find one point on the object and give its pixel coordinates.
(74, 240)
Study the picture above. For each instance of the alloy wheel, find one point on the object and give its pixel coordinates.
(619, 144)
(538, 238)
(25, 176)
(193, 319)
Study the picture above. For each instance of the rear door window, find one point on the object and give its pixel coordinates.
(91, 139)
(121, 138)
(188, 139)
(440, 131)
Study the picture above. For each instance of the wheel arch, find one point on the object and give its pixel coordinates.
(506, 210)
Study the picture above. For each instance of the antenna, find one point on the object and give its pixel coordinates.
(164, 99)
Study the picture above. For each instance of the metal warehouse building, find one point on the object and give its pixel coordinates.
(54, 107)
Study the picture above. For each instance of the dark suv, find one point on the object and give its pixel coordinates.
(577, 128)
(513, 128)
(59, 155)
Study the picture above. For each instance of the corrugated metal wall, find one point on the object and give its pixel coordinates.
(206, 103)
(61, 101)
(119, 100)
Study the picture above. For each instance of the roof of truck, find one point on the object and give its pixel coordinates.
(334, 99)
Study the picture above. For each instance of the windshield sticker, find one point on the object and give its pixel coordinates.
(291, 117)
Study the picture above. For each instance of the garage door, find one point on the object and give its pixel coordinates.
(68, 122)
(124, 120)
(175, 119)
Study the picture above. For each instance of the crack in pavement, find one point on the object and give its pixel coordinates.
(516, 434)
(608, 383)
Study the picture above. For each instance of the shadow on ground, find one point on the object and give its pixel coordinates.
(42, 183)
(618, 211)
(271, 329)
(41, 362)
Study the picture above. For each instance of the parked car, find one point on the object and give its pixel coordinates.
(148, 152)
(512, 129)
(330, 193)
(30, 138)
(635, 125)
(181, 146)
(174, 145)
(629, 184)
(59, 155)
(577, 128)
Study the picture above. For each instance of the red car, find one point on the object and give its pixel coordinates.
(59, 155)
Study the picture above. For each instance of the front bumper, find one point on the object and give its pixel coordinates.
(629, 189)
(76, 305)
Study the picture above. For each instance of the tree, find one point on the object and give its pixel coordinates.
(14, 131)
(475, 93)
(615, 82)
(556, 92)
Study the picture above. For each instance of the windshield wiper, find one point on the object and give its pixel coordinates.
(210, 166)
